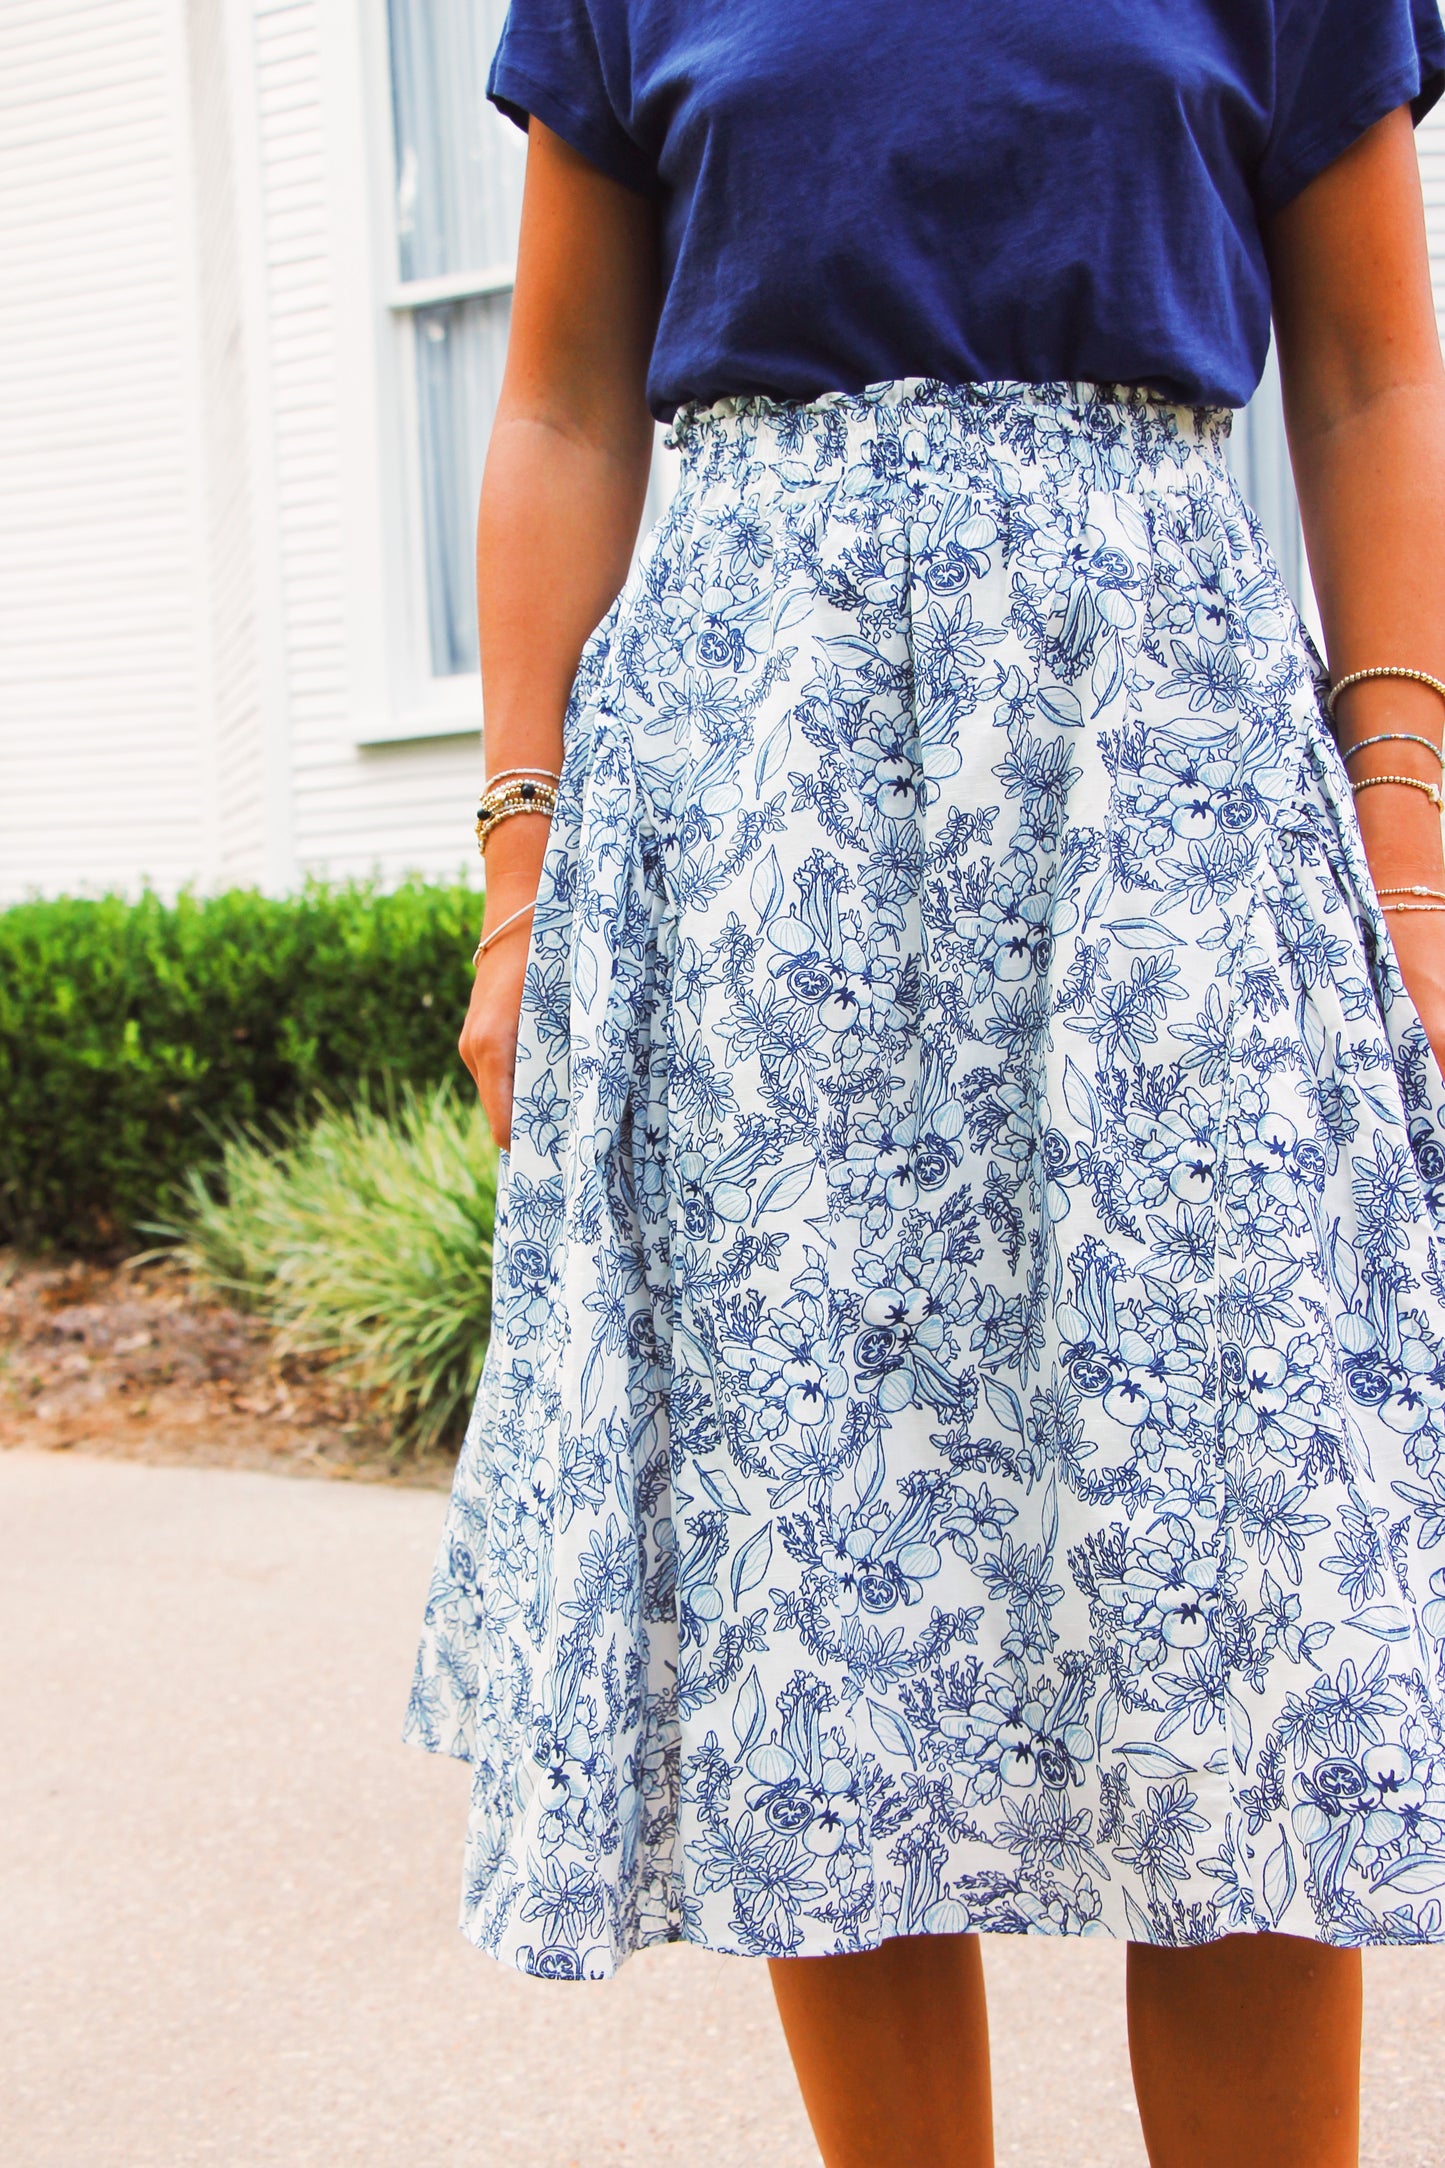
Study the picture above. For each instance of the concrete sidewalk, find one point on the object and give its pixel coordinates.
(228, 1895)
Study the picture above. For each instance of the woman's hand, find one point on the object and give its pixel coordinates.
(1401, 834)
(1419, 938)
(488, 1044)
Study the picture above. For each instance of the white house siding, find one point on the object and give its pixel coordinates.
(103, 701)
(243, 848)
(355, 810)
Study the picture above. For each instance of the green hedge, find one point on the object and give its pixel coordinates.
(134, 1035)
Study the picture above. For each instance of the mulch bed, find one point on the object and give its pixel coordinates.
(141, 1362)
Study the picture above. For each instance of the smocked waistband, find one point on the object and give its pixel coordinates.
(1111, 417)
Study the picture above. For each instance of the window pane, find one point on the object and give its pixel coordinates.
(458, 162)
(460, 350)
(1259, 460)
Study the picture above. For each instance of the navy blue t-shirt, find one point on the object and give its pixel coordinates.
(1044, 190)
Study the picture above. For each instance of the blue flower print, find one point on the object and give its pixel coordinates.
(963, 1439)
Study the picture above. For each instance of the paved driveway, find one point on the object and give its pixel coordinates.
(228, 1895)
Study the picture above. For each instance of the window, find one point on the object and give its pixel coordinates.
(458, 199)
(457, 203)
(1259, 459)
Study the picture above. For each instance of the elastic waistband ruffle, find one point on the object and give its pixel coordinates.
(1108, 415)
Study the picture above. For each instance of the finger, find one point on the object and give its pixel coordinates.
(499, 1114)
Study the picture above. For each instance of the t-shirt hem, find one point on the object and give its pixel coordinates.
(521, 96)
(1418, 85)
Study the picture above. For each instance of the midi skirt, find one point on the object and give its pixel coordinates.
(963, 1440)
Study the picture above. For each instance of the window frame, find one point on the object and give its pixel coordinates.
(1258, 454)
(395, 697)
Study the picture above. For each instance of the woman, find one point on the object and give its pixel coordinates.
(962, 1443)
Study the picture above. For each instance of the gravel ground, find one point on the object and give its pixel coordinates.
(229, 1894)
(141, 1361)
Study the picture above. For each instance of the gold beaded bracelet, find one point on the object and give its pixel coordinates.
(1408, 782)
(1384, 670)
(517, 790)
(1416, 888)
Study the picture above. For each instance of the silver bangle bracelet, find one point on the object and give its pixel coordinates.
(505, 775)
(497, 931)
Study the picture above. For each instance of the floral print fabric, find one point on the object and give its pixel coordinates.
(963, 1442)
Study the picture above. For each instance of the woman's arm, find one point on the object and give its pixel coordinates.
(562, 495)
(1364, 391)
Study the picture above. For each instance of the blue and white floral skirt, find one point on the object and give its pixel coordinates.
(963, 1443)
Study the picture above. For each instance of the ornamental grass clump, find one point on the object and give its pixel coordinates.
(366, 1238)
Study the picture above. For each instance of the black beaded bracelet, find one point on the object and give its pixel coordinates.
(502, 799)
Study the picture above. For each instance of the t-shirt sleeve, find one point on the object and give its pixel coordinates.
(1341, 65)
(550, 62)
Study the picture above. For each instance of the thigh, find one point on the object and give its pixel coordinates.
(1246, 2053)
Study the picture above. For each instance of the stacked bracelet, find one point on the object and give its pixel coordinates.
(1433, 898)
(515, 790)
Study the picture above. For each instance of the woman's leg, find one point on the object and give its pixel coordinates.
(1246, 2053)
(891, 2051)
